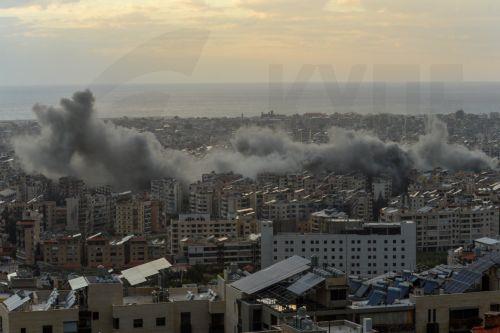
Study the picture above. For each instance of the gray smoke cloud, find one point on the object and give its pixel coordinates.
(74, 142)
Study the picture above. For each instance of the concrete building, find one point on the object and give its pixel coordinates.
(107, 304)
(64, 252)
(223, 251)
(440, 229)
(271, 297)
(130, 217)
(28, 237)
(201, 199)
(116, 253)
(201, 226)
(363, 249)
(169, 192)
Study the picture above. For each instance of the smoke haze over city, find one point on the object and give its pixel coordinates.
(74, 142)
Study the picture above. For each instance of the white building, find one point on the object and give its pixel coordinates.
(440, 229)
(363, 249)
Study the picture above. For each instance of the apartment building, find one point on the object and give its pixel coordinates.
(321, 219)
(440, 229)
(222, 251)
(169, 192)
(65, 252)
(116, 253)
(232, 201)
(201, 199)
(293, 210)
(27, 237)
(358, 204)
(201, 226)
(197, 225)
(363, 249)
(131, 216)
(102, 304)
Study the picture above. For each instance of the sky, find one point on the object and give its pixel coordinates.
(59, 42)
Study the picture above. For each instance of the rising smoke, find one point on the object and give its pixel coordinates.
(74, 142)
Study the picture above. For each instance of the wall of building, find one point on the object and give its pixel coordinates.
(442, 304)
(365, 255)
(33, 321)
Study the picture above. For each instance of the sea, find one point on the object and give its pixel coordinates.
(252, 99)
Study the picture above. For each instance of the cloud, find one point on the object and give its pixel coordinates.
(23, 3)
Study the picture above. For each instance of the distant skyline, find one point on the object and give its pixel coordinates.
(59, 42)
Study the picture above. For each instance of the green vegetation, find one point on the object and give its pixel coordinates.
(431, 259)
(198, 274)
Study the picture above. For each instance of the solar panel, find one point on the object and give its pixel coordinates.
(78, 283)
(405, 289)
(273, 274)
(70, 299)
(462, 281)
(354, 285)
(454, 286)
(138, 274)
(430, 286)
(334, 271)
(362, 290)
(15, 301)
(51, 300)
(379, 287)
(305, 283)
(495, 258)
(376, 298)
(481, 265)
(393, 294)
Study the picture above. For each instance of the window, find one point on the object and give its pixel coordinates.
(137, 323)
(338, 294)
(116, 323)
(23, 330)
(185, 320)
(47, 329)
(160, 321)
(95, 315)
(495, 307)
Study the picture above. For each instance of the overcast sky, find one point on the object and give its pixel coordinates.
(78, 41)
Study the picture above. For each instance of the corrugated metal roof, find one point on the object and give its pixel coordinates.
(138, 274)
(272, 274)
(305, 283)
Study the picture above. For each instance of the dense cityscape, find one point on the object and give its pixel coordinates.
(273, 249)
